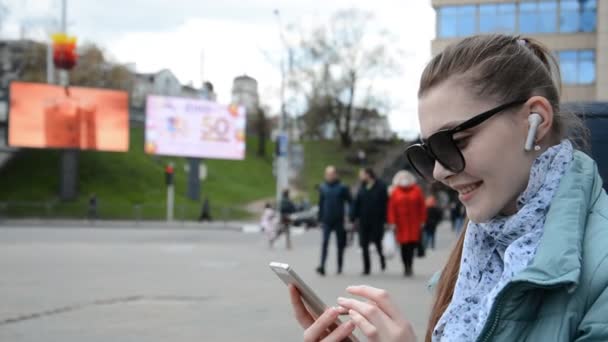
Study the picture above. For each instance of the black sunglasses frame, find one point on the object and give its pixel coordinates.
(472, 122)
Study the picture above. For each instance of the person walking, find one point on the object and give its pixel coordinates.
(531, 263)
(369, 214)
(269, 222)
(407, 213)
(92, 213)
(457, 214)
(434, 214)
(286, 208)
(205, 211)
(333, 197)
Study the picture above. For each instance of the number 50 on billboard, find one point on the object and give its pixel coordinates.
(194, 128)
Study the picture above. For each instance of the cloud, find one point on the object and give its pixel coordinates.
(232, 36)
(226, 50)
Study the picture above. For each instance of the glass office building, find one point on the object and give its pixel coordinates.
(575, 30)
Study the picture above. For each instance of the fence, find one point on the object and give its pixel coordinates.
(135, 212)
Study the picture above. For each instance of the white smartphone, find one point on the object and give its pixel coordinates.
(311, 300)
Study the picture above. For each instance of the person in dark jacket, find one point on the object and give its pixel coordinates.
(333, 197)
(434, 214)
(369, 213)
(286, 208)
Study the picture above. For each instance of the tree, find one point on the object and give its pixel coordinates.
(335, 65)
(92, 69)
(262, 131)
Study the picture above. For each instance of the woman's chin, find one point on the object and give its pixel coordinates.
(478, 215)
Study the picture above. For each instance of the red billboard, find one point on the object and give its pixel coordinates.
(50, 116)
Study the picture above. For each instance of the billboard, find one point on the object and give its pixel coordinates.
(194, 128)
(50, 116)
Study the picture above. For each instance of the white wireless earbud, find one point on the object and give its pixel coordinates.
(534, 120)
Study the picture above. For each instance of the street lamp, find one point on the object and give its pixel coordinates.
(282, 161)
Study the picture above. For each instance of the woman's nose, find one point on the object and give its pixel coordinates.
(440, 173)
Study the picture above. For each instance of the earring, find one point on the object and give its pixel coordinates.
(537, 148)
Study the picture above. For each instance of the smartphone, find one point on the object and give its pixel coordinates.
(311, 300)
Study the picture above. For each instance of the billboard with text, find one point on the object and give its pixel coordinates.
(194, 128)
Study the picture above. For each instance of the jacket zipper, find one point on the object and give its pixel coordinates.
(496, 317)
(496, 312)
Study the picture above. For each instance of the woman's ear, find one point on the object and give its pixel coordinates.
(541, 106)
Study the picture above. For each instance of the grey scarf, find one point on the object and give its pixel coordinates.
(497, 250)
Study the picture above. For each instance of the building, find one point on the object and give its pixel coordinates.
(207, 91)
(576, 30)
(13, 54)
(245, 93)
(159, 83)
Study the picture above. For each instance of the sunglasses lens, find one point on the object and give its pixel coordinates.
(422, 161)
(446, 151)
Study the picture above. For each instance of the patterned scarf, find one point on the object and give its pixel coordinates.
(497, 250)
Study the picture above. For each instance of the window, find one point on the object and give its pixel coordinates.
(497, 18)
(457, 21)
(526, 16)
(577, 66)
(538, 16)
(569, 16)
(578, 15)
(588, 15)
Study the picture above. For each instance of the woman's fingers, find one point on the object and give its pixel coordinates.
(302, 315)
(320, 327)
(380, 297)
(368, 329)
(371, 312)
(341, 332)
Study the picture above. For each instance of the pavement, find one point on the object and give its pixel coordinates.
(176, 283)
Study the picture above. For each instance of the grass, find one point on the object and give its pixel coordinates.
(131, 184)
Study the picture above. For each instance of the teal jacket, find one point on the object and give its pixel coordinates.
(563, 294)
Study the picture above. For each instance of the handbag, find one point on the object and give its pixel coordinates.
(389, 245)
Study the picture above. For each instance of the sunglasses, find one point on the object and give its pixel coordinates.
(441, 146)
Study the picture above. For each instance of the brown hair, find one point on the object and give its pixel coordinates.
(503, 68)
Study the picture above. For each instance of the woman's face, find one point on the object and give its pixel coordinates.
(497, 166)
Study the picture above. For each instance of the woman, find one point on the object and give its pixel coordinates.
(532, 263)
(406, 212)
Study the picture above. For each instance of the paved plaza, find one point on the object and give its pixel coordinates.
(176, 284)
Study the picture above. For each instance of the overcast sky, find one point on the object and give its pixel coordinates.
(218, 40)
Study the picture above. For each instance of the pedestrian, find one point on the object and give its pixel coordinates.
(269, 222)
(286, 208)
(205, 211)
(457, 215)
(92, 213)
(531, 263)
(333, 197)
(406, 214)
(434, 214)
(369, 214)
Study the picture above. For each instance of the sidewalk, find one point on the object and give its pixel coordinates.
(111, 224)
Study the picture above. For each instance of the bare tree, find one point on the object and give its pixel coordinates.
(92, 69)
(334, 66)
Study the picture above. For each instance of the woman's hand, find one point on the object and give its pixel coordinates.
(378, 318)
(323, 328)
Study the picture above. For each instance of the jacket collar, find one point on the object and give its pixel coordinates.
(558, 259)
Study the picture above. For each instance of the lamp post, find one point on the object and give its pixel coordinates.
(282, 157)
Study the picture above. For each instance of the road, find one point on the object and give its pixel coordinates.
(137, 284)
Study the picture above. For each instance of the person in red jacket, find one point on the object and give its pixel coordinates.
(406, 212)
